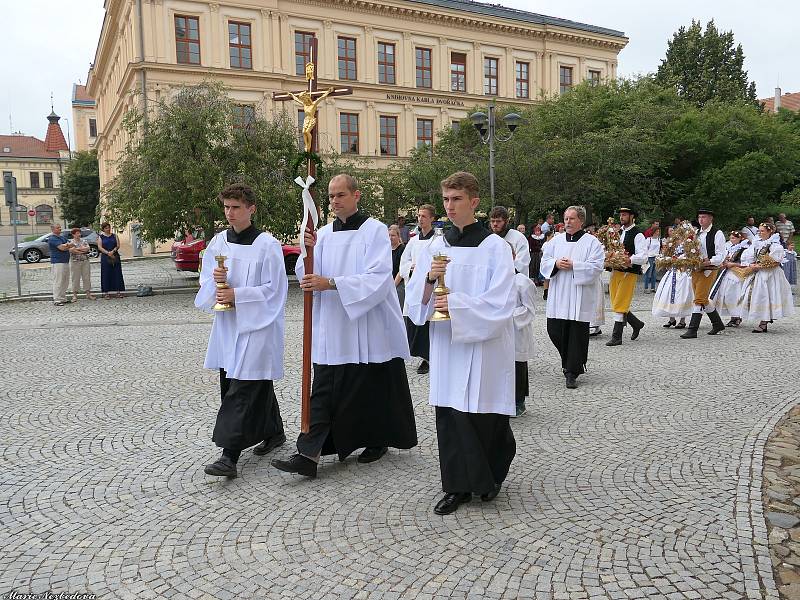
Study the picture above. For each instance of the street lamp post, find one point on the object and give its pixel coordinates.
(487, 129)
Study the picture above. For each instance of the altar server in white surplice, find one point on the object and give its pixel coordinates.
(360, 396)
(499, 224)
(472, 354)
(246, 344)
(573, 262)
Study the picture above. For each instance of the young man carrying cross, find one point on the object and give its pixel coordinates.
(360, 396)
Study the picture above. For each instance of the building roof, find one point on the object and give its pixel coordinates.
(54, 140)
(789, 101)
(503, 12)
(24, 146)
(80, 97)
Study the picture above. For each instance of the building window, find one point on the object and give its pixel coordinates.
(48, 180)
(347, 58)
(455, 126)
(239, 45)
(44, 214)
(386, 63)
(244, 116)
(565, 79)
(20, 216)
(424, 70)
(93, 128)
(490, 76)
(523, 80)
(424, 132)
(458, 72)
(34, 179)
(302, 51)
(187, 40)
(594, 78)
(389, 136)
(349, 126)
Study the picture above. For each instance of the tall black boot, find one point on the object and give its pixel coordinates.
(616, 335)
(635, 323)
(716, 323)
(691, 331)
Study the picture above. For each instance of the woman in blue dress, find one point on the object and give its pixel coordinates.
(111, 282)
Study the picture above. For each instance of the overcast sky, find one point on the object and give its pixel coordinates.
(47, 45)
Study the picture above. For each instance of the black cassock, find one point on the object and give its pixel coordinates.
(249, 411)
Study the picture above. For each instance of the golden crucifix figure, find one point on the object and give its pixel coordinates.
(309, 105)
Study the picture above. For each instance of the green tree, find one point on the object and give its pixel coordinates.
(706, 66)
(80, 189)
(193, 145)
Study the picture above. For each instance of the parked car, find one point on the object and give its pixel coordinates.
(186, 255)
(36, 250)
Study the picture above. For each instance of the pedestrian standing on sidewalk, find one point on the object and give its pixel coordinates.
(653, 248)
(59, 264)
(79, 265)
(112, 284)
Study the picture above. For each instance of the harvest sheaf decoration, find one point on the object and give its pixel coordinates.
(765, 261)
(681, 251)
(616, 256)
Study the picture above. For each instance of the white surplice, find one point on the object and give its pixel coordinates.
(408, 260)
(522, 251)
(472, 354)
(524, 312)
(573, 294)
(248, 341)
(360, 321)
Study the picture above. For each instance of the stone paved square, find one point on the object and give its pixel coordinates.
(643, 483)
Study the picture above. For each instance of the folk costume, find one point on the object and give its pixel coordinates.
(246, 343)
(674, 296)
(727, 289)
(572, 298)
(712, 248)
(766, 294)
(360, 396)
(418, 335)
(472, 362)
(623, 281)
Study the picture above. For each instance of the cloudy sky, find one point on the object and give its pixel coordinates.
(53, 42)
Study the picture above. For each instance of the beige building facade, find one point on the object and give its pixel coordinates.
(37, 166)
(84, 119)
(415, 66)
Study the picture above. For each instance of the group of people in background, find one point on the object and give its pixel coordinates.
(69, 261)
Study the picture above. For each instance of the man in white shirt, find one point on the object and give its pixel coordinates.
(785, 228)
(498, 223)
(360, 396)
(246, 343)
(573, 262)
(750, 231)
(548, 225)
(712, 251)
(623, 279)
(472, 352)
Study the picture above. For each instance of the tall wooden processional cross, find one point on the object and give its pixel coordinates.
(309, 99)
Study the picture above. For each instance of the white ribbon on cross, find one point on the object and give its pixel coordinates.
(308, 208)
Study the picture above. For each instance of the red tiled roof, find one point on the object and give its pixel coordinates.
(54, 140)
(79, 95)
(788, 101)
(25, 146)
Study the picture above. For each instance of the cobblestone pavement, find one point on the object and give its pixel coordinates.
(156, 272)
(643, 483)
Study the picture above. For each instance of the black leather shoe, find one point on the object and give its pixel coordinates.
(572, 382)
(371, 454)
(297, 464)
(670, 323)
(224, 467)
(597, 331)
(491, 495)
(450, 503)
(680, 326)
(269, 445)
(424, 367)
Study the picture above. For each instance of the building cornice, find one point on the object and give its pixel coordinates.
(449, 18)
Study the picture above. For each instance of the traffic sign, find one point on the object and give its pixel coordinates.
(32, 212)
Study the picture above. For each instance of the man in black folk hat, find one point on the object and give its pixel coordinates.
(623, 280)
(712, 251)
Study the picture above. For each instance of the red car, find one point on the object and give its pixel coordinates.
(186, 255)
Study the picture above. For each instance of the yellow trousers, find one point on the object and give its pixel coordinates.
(621, 289)
(701, 285)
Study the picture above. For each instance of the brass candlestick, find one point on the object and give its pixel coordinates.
(222, 306)
(440, 290)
